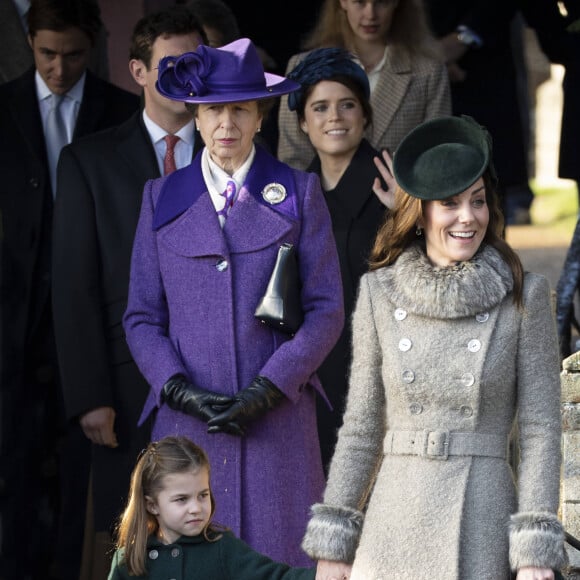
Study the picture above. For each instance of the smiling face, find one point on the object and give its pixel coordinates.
(333, 119)
(228, 131)
(370, 20)
(183, 506)
(455, 227)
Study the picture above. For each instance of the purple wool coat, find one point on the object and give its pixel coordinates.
(193, 291)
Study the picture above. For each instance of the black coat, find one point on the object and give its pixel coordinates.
(489, 92)
(356, 214)
(30, 394)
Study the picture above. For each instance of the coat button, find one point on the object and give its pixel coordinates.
(405, 344)
(34, 182)
(221, 265)
(473, 345)
(482, 317)
(466, 410)
(408, 376)
(467, 379)
(153, 554)
(174, 552)
(415, 408)
(400, 314)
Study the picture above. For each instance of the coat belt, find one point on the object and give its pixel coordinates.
(440, 444)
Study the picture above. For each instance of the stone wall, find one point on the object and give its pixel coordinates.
(570, 487)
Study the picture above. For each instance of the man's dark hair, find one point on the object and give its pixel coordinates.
(176, 20)
(60, 15)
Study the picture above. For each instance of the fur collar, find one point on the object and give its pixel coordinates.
(463, 289)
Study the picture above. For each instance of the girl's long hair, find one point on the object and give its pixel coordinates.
(165, 457)
(398, 232)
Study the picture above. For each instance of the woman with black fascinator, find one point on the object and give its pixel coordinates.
(333, 110)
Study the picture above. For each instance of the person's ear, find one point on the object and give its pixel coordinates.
(30, 42)
(151, 505)
(304, 127)
(138, 71)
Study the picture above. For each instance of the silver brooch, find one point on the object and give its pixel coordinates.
(274, 193)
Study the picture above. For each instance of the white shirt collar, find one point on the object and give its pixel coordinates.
(22, 6)
(216, 178)
(186, 133)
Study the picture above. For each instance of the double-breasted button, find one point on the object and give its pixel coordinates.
(405, 344)
(415, 408)
(34, 182)
(473, 345)
(221, 265)
(175, 552)
(482, 317)
(400, 314)
(408, 376)
(467, 379)
(466, 410)
(153, 555)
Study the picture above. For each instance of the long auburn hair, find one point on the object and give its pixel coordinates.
(165, 457)
(398, 232)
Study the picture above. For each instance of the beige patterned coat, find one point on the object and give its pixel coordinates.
(443, 363)
(410, 90)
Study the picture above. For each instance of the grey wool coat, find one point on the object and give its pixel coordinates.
(444, 366)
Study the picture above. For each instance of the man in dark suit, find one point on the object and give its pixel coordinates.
(99, 191)
(40, 457)
(476, 39)
(16, 53)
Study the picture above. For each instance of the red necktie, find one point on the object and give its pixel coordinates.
(169, 161)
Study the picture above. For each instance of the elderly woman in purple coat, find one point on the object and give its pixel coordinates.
(205, 248)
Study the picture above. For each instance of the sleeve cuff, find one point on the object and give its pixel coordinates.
(333, 533)
(537, 539)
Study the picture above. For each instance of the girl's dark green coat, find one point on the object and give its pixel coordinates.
(193, 558)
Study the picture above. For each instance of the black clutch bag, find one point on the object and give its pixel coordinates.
(280, 307)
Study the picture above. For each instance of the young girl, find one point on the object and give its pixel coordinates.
(167, 526)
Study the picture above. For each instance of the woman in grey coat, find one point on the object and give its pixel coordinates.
(454, 346)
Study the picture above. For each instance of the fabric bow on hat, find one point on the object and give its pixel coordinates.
(184, 75)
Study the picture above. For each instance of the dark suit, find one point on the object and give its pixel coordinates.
(30, 394)
(356, 214)
(489, 92)
(100, 187)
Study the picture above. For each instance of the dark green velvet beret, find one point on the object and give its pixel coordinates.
(442, 157)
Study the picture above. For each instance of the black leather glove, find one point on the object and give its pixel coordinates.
(249, 404)
(181, 395)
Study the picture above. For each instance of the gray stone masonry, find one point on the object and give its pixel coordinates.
(570, 486)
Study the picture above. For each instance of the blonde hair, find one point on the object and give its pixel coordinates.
(398, 232)
(409, 29)
(165, 457)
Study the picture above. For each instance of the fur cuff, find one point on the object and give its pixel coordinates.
(333, 533)
(537, 539)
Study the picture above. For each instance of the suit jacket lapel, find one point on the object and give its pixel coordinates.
(27, 114)
(389, 92)
(135, 147)
(92, 107)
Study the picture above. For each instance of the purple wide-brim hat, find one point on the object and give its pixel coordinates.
(228, 74)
